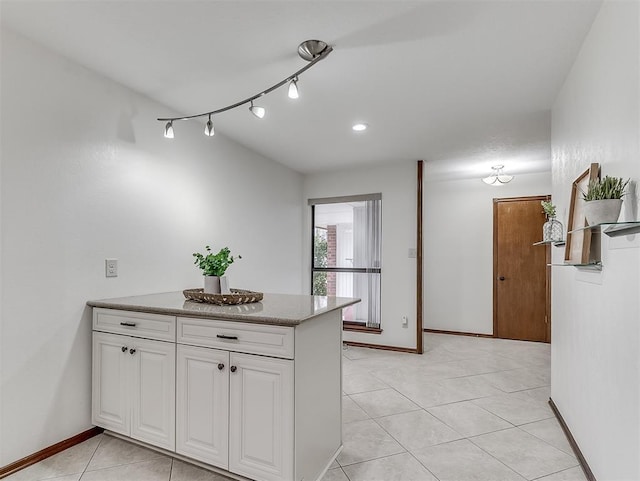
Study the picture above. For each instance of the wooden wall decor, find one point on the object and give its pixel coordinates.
(578, 244)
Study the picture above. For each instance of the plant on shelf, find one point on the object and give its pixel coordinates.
(552, 230)
(607, 188)
(603, 199)
(549, 208)
(213, 268)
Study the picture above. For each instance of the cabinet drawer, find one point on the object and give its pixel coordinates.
(237, 336)
(138, 324)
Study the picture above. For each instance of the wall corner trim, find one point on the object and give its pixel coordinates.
(574, 445)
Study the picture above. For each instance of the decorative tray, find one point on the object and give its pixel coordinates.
(237, 296)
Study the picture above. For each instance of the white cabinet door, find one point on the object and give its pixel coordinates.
(153, 371)
(110, 404)
(202, 404)
(261, 417)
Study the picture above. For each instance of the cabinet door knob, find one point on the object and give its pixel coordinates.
(124, 348)
(501, 278)
(132, 351)
(233, 368)
(220, 366)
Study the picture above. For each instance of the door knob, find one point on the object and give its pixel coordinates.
(220, 366)
(233, 368)
(501, 278)
(132, 351)
(124, 348)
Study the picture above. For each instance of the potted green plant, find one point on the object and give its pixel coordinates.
(213, 268)
(603, 200)
(552, 230)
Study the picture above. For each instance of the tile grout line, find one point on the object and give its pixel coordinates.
(522, 475)
(425, 467)
(91, 458)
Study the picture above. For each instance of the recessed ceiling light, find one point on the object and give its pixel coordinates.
(359, 127)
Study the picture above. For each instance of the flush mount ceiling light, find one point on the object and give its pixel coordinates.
(498, 177)
(360, 127)
(310, 50)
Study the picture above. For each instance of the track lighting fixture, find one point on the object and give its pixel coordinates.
(293, 88)
(498, 177)
(258, 111)
(310, 50)
(168, 130)
(208, 128)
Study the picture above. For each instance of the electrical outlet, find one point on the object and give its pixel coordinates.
(111, 267)
(405, 321)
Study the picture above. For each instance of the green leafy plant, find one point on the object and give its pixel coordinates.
(214, 264)
(607, 188)
(320, 260)
(548, 208)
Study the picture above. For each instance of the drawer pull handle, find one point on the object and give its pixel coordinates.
(128, 324)
(223, 336)
(233, 368)
(220, 366)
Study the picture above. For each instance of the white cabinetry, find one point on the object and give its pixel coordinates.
(258, 400)
(202, 405)
(261, 417)
(134, 387)
(235, 410)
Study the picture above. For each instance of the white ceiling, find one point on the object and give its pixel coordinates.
(462, 85)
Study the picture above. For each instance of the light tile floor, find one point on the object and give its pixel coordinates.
(469, 409)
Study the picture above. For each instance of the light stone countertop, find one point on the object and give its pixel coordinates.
(275, 309)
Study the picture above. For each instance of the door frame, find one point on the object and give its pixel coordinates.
(547, 310)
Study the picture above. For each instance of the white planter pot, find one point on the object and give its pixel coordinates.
(602, 211)
(216, 285)
(212, 285)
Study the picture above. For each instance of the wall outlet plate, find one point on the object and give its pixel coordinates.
(111, 267)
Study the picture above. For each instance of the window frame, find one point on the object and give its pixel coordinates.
(347, 325)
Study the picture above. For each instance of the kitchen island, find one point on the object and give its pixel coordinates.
(251, 390)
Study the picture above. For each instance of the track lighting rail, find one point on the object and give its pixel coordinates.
(311, 50)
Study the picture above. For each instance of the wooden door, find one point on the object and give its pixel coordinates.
(202, 404)
(153, 392)
(261, 413)
(521, 276)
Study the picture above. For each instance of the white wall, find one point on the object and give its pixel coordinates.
(458, 249)
(397, 183)
(595, 373)
(86, 175)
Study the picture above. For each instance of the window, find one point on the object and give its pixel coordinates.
(346, 234)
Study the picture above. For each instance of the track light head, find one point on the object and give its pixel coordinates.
(258, 111)
(168, 130)
(293, 88)
(208, 128)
